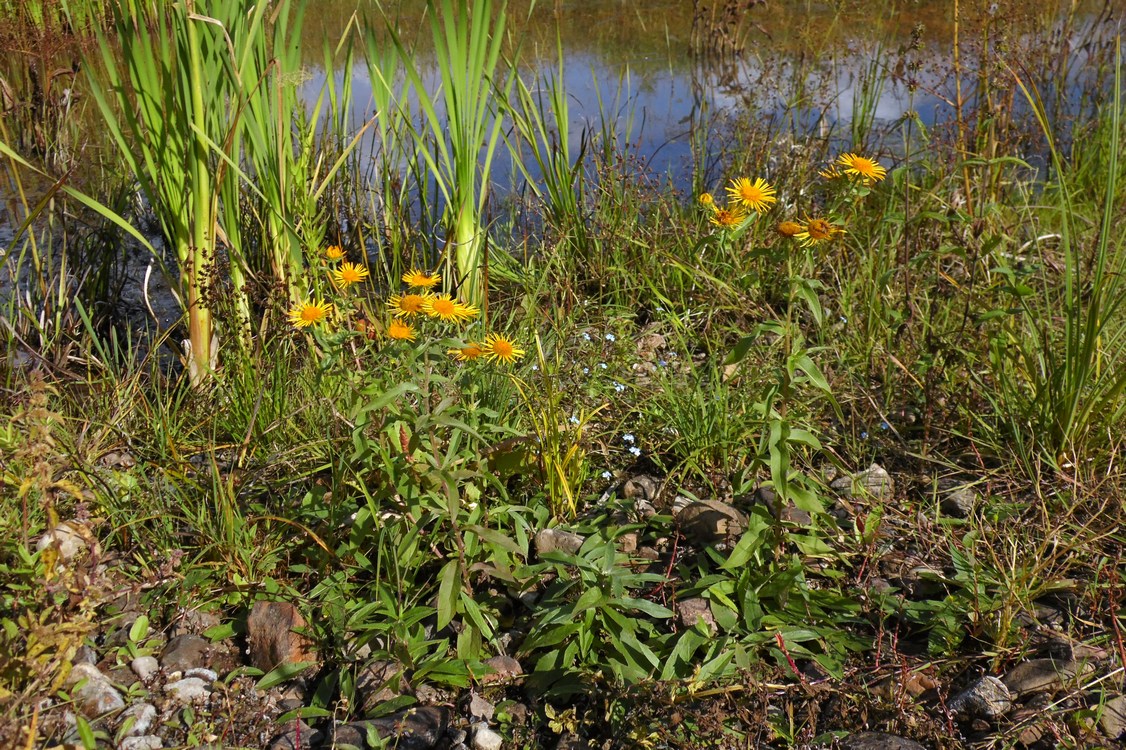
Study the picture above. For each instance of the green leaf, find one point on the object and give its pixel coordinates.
(139, 629)
(447, 593)
(282, 673)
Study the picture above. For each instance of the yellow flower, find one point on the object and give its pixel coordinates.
(830, 173)
(707, 199)
(417, 279)
(447, 309)
(348, 274)
(466, 353)
(305, 314)
(817, 230)
(755, 196)
(498, 347)
(406, 305)
(789, 228)
(868, 170)
(399, 330)
(727, 218)
(334, 253)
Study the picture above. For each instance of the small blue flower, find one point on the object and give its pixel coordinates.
(611, 337)
(662, 363)
(607, 475)
(635, 451)
(574, 419)
(660, 309)
(586, 371)
(628, 438)
(603, 365)
(864, 436)
(586, 336)
(885, 426)
(535, 368)
(619, 387)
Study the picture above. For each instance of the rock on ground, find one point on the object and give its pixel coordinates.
(878, 741)
(270, 629)
(988, 698)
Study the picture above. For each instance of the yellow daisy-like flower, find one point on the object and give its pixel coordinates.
(789, 228)
(349, 274)
(467, 352)
(818, 230)
(334, 253)
(406, 305)
(726, 218)
(755, 196)
(311, 313)
(830, 173)
(399, 330)
(417, 279)
(447, 309)
(707, 200)
(868, 170)
(498, 347)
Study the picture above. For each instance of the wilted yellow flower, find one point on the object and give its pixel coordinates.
(789, 228)
(417, 279)
(727, 218)
(707, 200)
(334, 252)
(466, 353)
(305, 314)
(348, 274)
(755, 196)
(498, 347)
(818, 230)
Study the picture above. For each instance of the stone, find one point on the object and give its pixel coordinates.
(641, 488)
(185, 652)
(873, 482)
(297, 736)
(711, 522)
(553, 540)
(691, 611)
(144, 742)
(486, 739)
(959, 502)
(1040, 675)
(378, 682)
(207, 675)
(138, 719)
(502, 669)
(418, 728)
(1112, 718)
(788, 513)
(85, 655)
(878, 741)
(194, 621)
(987, 698)
(93, 694)
(628, 542)
(270, 630)
(69, 538)
(187, 690)
(145, 667)
(479, 708)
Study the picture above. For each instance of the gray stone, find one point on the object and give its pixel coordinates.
(642, 489)
(67, 538)
(378, 682)
(418, 728)
(711, 522)
(85, 655)
(552, 540)
(297, 736)
(138, 719)
(145, 667)
(187, 690)
(195, 621)
(1112, 720)
(207, 675)
(691, 611)
(272, 632)
(502, 668)
(787, 512)
(185, 652)
(144, 742)
(872, 482)
(878, 741)
(93, 694)
(486, 739)
(479, 708)
(958, 501)
(1040, 675)
(988, 698)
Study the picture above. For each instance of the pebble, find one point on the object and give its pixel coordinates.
(270, 630)
(208, 675)
(1113, 717)
(873, 481)
(1039, 675)
(711, 521)
(187, 689)
(95, 696)
(987, 698)
(879, 741)
(692, 611)
(502, 668)
(68, 539)
(145, 667)
(185, 652)
(486, 739)
(144, 742)
(139, 718)
(552, 540)
(479, 708)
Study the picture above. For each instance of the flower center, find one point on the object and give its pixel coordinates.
(502, 349)
(443, 306)
(819, 229)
